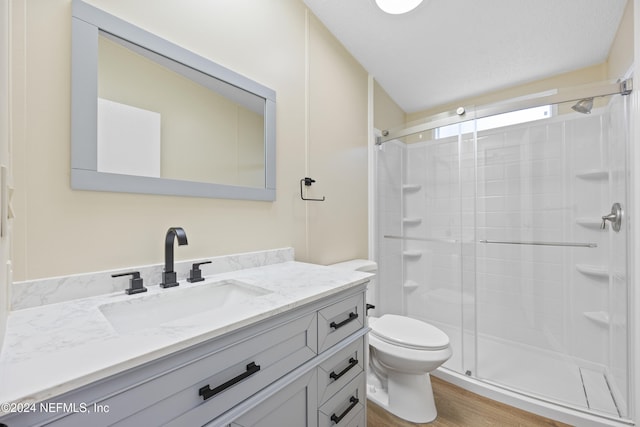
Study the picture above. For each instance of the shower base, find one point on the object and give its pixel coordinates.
(527, 371)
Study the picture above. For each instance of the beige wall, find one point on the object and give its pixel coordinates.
(321, 132)
(386, 113)
(621, 54)
(587, 75)
(337, 228)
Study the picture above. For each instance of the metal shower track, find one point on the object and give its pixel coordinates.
(463, 114)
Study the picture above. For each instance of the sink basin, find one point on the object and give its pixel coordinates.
(156, 309)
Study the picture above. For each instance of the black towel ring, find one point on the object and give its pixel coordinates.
(308, 182)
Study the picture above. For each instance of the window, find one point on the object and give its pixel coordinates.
(492, 122)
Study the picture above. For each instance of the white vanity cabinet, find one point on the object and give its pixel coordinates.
(330, 389)
(208, 387)
(298, 368)
(331, 392)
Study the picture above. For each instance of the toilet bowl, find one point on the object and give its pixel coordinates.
(402, 353)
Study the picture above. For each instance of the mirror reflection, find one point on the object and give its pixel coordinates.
(153, 121)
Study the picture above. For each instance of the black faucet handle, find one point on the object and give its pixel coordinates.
(133, 274)
(135, 283)
(195, 274)
(196, 265)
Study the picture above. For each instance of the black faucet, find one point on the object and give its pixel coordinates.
(168, 275)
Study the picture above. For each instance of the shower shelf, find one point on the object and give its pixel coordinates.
(411, 187)
(410, 285)
(593, 174)
(411, 221)
(593, 270)
(600, 318)
(589, 222)
(412, 254)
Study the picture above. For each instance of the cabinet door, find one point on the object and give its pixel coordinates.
(293, 406)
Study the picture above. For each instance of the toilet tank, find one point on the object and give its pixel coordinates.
(366, 266)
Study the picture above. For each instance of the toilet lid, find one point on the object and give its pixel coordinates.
(408, 332)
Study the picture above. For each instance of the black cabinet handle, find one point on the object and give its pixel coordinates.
(352, 316)
(354, 401)
(352, 362)
(207, 392)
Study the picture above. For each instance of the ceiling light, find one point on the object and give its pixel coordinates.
(396, 7)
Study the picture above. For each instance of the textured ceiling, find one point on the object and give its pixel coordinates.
(448, 50)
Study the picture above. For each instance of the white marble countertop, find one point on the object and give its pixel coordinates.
(52, 349)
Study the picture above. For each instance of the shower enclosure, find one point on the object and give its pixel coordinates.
(490, 227)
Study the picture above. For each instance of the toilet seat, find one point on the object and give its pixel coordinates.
(409, 333)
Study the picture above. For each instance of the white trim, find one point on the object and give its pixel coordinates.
(634, 219)
(371, 168)
(307, 128)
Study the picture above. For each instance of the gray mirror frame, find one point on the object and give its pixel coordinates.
(87, 22)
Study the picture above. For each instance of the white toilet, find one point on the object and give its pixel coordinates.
(402, 352)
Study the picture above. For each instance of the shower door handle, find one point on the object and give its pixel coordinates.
(615, 218)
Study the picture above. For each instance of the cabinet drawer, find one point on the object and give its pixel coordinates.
(339, 320)
(225, 377)
(343, 407)
(293, 406)
(339, 369)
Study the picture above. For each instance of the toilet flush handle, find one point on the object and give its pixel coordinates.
(369, 307)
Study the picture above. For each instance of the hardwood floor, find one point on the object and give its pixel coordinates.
(459, 407)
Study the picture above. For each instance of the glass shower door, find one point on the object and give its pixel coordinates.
(550, 282)
(419, 189)
(432, 263)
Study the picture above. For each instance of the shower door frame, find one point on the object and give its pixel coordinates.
(559, 96)
(468, 113)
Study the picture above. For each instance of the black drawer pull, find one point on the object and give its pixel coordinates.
(354, 401)
(352, 316)
(207, 392)
(352, 362)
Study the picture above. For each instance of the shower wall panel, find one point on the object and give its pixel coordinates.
(521, 199)
(541, 184)
(616, 135)
(589, 196)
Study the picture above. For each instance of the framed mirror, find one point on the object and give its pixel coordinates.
(148, 116)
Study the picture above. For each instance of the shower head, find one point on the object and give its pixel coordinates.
(583, 106)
